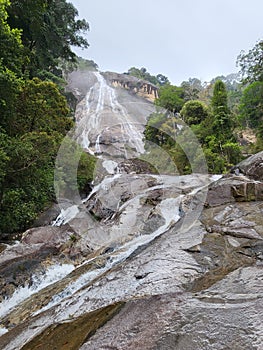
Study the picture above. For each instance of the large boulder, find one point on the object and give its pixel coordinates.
(242, 184)
(252, 167)
(232, 189)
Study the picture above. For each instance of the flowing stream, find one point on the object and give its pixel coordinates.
(139, 231)
(104, 112)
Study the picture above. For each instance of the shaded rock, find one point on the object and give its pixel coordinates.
(138, 166)
(251, 167)
(48, 216)
(50, 236)
(234, 189)
(241, 232)
(152, 223)
(2, 247)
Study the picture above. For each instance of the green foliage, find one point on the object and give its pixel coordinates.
(49, 29)
(159, 159)
(3, 156)
(11, 49)
(41, 107)
(28, 182)
(35, 41)
(171, 98)
(142, 73)
(194, 112)
(213, 129)
(222, 120)
(10, 87)
(153, 130)
(251, 105)
(74, 169)
(251, 63)
(11, 57)
(192, 89)
(84, 64)
(85, 172)
(171, 146)
(17, 211)
(219, 98)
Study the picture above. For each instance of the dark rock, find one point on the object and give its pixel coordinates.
(50, 236)
(138, 166)
(48, 216)
(251, 167)
(232, 189)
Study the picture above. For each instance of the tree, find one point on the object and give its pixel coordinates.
(251, 105)
(49, 29)
(171, 98)
(153, 130)
(251, 63)
(222, 124)
(35, 40)
(11, 49)
(194, 112)
(192, 88)
(162, 79)
(142, 73)
(11, 58)
(42, 108)
(28, 182)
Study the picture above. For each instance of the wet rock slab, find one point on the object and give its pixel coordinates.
(37, 249)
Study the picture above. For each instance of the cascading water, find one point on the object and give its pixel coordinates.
(137, 234)
(103, 111)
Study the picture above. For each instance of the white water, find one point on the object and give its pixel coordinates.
(66, 215)
(3, 331)
(105, 185)
(169, 209)
(93, 122)
(52, 274)
(110, 166)
(97, 145)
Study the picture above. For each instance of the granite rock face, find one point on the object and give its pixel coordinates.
(150, 261)
(252, 167)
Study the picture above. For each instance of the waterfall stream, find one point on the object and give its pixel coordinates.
(138, 241)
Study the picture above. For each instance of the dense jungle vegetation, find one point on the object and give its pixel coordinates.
(35, 48)
(226, 114)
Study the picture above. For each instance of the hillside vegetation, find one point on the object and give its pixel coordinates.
(35, 49)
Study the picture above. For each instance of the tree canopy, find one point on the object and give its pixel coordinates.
(171, 98)
(194, 112)
(35, 39)
(251, 63)
(142, 73)
(49, 28)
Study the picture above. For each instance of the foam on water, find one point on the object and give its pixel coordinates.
(170, 211)
(66, 215)
(53, 274)
(3, 330)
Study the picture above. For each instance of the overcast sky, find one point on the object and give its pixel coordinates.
(178, 38)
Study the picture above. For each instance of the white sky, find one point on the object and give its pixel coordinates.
(178, 38)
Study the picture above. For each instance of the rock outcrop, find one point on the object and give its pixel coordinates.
(252, 167)
(134, 85)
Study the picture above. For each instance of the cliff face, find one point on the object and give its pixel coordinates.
(80, 81)
(147, 261)
(132, 84)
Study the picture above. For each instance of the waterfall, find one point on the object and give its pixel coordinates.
(100, 99)
(126, 238)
